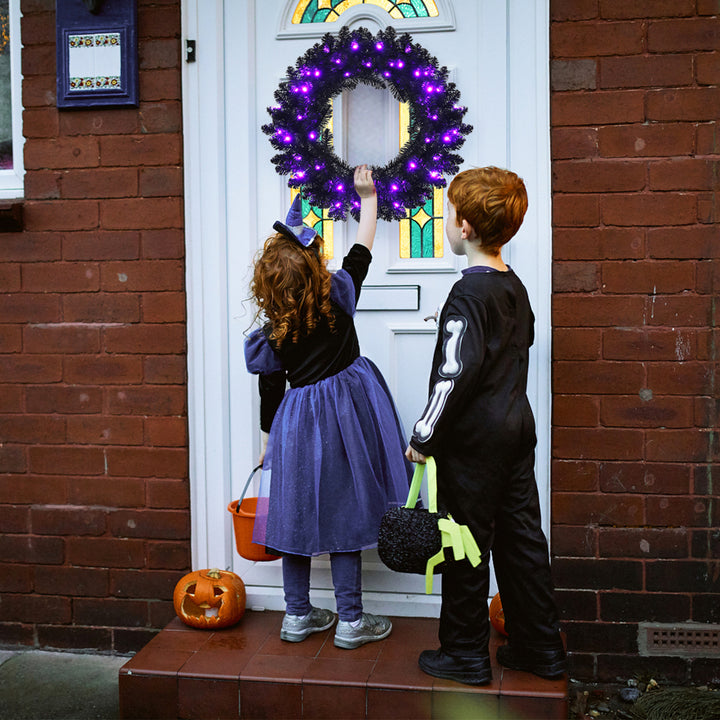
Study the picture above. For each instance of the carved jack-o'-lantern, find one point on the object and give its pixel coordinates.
(497, 616)
(210, 599)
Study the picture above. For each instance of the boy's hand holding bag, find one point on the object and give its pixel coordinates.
(413, 540)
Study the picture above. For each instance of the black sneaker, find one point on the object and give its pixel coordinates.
(548, 664)
(467, 670)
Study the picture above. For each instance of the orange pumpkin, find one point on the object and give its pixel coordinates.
(210, 599)
(497, 616)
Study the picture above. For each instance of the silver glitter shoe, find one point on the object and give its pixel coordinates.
(296, 628)
(370, 629)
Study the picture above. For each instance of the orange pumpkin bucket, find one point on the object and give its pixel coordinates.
(243, 514)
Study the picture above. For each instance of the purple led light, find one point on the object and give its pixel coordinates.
(312, 135)
(354, 46)
(394, 187)
(339, 187)
(447, 139)
(287, 138)
(379, 46)
(412, 165)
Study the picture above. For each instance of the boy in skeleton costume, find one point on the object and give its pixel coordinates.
(479, 427)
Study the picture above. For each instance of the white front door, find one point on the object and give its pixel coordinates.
(496, 52)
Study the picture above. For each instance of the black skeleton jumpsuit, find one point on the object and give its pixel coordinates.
(479, 427)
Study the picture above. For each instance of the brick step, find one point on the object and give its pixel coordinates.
(247, 672)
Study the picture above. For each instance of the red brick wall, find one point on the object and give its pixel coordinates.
(93, 446)
(636, 463)
(93, 439)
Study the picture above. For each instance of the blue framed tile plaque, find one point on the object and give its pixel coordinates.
(97, 53)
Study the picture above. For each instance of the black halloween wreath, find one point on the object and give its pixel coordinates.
(385, 60)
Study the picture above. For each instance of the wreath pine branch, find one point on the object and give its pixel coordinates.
(298, 128)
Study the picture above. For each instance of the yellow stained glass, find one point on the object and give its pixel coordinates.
(318, 219)
(321, 11)
(421, 234)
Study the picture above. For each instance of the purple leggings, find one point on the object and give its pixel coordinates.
(346, 575)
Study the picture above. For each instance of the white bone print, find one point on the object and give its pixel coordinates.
(452, 365)
(426, 424)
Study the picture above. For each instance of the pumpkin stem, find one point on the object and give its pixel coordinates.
(214, 573)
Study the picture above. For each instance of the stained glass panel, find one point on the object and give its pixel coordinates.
(317, 218)
(320, 11)
(421, 231)
(6, 144)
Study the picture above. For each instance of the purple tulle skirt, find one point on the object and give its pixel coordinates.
(334, 464)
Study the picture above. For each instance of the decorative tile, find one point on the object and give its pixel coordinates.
(95, 62)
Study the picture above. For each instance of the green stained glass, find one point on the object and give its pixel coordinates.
(419, 7)
(428, 240)
(415, 240)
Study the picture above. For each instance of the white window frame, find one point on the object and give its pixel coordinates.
(11, 181)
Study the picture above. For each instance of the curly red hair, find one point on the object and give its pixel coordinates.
(291, 285)
(492, 200)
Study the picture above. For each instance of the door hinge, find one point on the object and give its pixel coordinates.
(190, 55)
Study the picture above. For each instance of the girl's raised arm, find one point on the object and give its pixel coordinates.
(365, 188)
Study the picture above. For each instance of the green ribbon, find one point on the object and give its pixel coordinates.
(452, 534)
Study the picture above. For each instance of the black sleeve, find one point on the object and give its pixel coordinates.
(272, 391)
(356, 264)
(457, 362)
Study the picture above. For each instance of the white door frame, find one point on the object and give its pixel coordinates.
(215, 200)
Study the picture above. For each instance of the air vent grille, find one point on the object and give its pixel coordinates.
(689, 639)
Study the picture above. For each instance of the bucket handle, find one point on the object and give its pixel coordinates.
(247, 485)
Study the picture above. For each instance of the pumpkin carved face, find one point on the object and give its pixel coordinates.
(497, 616)
(210, 599)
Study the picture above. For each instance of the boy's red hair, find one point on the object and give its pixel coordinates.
(492, 200)
(291, 285)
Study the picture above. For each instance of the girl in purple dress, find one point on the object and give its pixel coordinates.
(332, 443)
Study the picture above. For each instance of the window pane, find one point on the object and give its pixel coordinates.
(6, 146)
